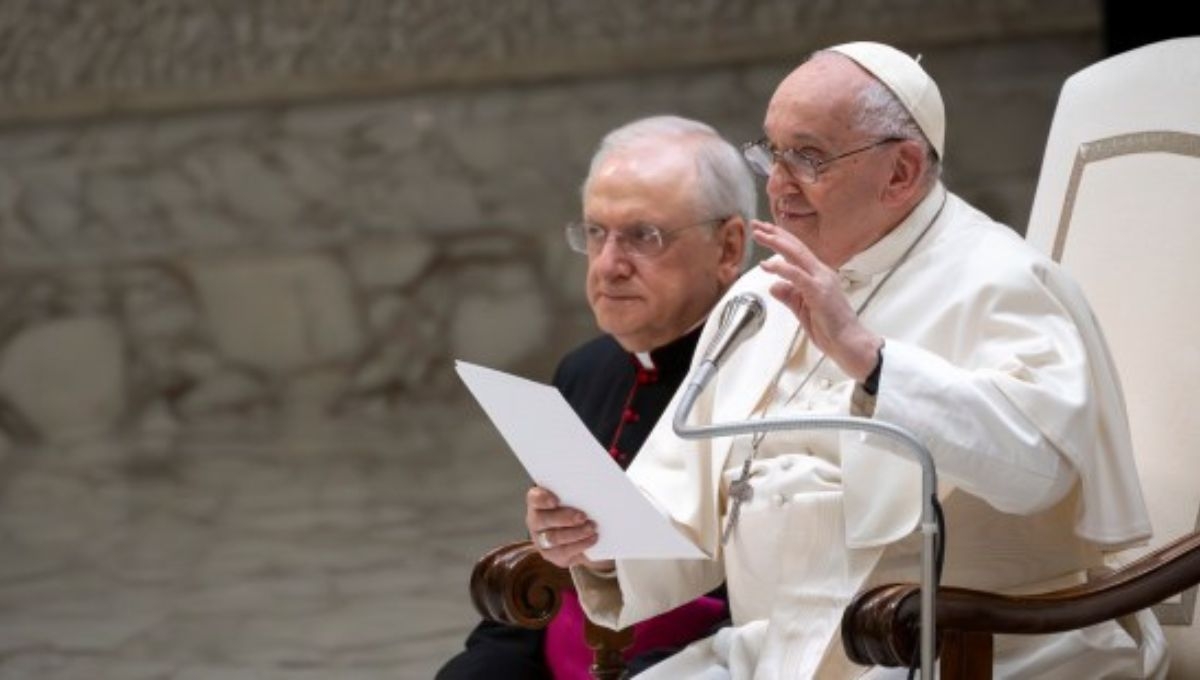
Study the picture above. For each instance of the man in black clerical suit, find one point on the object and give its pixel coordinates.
(666, 207)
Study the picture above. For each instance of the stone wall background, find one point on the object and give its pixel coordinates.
(240, 218)
(242, 242)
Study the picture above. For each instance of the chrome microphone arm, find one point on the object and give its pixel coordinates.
(913, 446)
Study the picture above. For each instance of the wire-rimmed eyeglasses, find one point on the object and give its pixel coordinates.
(640, 240)
(762, 156)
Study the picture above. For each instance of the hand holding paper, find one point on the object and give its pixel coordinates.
(562, 534)
(560, 454)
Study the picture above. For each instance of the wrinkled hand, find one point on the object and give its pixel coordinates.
(813, 292)
(560, 533)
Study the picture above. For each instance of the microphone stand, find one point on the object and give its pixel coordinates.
(705, 372)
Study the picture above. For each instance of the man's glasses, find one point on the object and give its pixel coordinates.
(762, 156)
(641, 240)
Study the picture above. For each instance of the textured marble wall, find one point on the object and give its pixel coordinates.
(225, 268)
(241, 243)
(61, 58)
(181, 264)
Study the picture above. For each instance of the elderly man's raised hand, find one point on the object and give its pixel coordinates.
(813, 292)
(560, 533)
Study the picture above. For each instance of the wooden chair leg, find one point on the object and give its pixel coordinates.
(607, 647)
(966, 656)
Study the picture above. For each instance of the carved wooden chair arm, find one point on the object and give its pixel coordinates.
(880, 627)
(512, 584)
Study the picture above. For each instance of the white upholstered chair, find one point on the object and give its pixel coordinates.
(1118, 204)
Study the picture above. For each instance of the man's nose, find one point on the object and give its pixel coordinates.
(611, 258)
(781, 180)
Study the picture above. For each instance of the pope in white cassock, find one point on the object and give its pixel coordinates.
(893, 299)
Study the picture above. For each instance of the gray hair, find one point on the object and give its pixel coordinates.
(724, 185)
(881, 114)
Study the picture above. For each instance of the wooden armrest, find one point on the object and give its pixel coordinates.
(512, 584)
(881, 625)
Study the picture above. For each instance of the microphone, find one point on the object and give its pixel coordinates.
(742, 316)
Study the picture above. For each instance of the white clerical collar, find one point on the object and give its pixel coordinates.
(647, 361)
(884, 253)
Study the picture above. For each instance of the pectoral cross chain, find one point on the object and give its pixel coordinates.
(740, 491)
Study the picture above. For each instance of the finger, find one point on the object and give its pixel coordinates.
(791, 298)
(542, 511)
(787, 294)
(789, 248)
(540, 521)
(582, 559)
(792, 285)
(795, 284)
(787, 271)
(565, 537)
(541, 498)
(770, 229)
(565, 548)
(785, 243)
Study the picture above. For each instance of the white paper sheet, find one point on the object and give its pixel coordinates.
(560, 454)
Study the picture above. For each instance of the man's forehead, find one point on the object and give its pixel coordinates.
(785, 135)
(624, 210)
(634, 204)
(644, 169)
(791, 131)
(652, 182)
(648, 161)
(812, 110)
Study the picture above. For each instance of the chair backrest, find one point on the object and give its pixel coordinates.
(1118, 204)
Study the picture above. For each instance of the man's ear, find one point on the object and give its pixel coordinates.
(732, 237)
(908, 172)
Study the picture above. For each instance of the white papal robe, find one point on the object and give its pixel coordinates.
(995, 362)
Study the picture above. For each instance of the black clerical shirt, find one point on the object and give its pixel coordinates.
(620, 400)
(616, 396)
